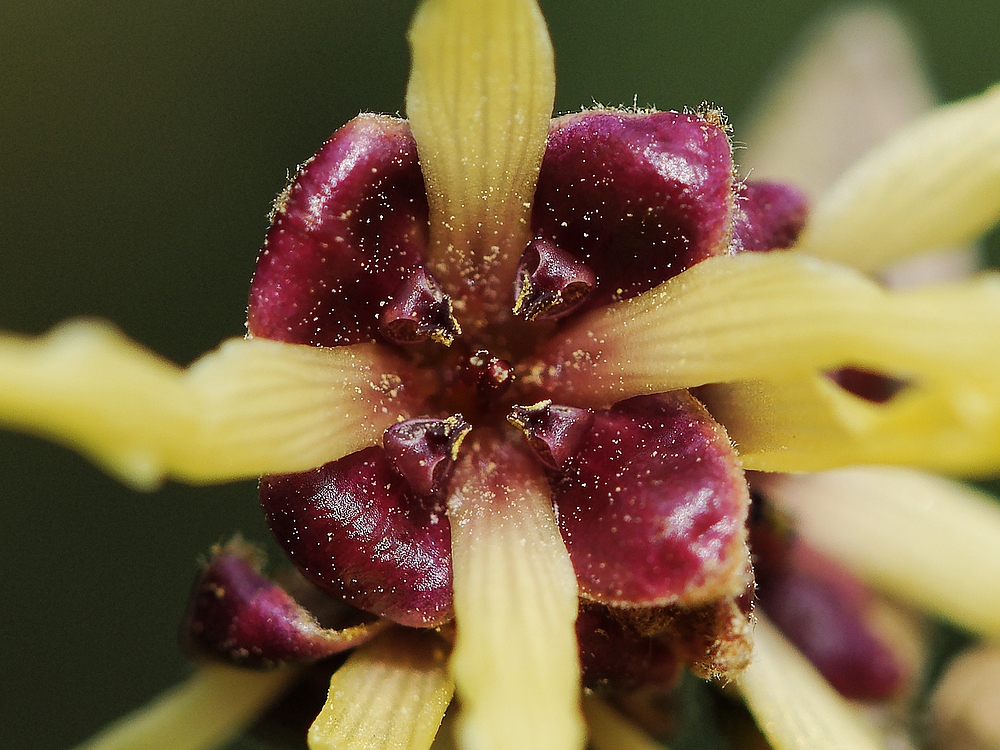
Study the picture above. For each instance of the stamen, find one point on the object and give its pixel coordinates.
(551, 283)
(555, 432)
(423, 451)
(491, 375)
(420, 311)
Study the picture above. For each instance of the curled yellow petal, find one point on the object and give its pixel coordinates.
(782, 320)
(811, 424)
(205, 712)
(935, 183)
(924, 539)
(793, 705)
(390, 695)
(251, 407)
(515, 660)
(479, 102)
(856, 81)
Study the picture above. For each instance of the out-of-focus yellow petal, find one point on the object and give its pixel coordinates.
(515, 660)
(390, 695)
(856, 81)
(811, 424)
(793, 705)
(609, 730)
(479, 102)
(921, 538)
(205, 712)
(251, 407)
(782, 319)
(935, 183)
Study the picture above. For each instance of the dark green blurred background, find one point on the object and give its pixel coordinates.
(141, 144)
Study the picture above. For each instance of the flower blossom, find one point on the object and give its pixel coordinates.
(349, 384)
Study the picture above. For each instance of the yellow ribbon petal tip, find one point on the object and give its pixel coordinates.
(479, 101)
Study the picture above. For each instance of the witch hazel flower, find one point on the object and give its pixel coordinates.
(466, 385)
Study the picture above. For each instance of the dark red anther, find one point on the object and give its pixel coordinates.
(239, 616)
(423, 451)
(550, 283)
(491, 375)
(555, 432)
(767, 216)
(419, 311)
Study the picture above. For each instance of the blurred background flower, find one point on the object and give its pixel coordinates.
(141, 145)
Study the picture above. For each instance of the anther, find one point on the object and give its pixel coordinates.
(423, 451)
(491, 375)
(419, 311)
(555, 432)
(550, 282)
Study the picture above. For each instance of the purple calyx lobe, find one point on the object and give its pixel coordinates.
(652, 506)
(354, 528)
(638, 198)
(238, 615)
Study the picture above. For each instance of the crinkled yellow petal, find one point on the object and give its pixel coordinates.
(924, 539)
(793, 705)
(479, 102)
(609, 730)
(784, 317)
(811, 424)
(515, 660)
(251, 407)
(390, 695)
(856, 82)
(205, 712)
(935, 183)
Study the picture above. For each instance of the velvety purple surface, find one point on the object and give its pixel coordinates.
(768, 216)
(354, 529)
(652, 506)
(616, 657)
(638, 198)
(238, 615)
(352, 227)
(820, 607)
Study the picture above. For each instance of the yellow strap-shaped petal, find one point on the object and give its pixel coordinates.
(793, 705)
(515, 660)
(924, 539)
(936, 183)
(390, 695)
(609, 730)
(811, 424)
(856, 82)
(205, 712)
(251, 407)
(479, 102)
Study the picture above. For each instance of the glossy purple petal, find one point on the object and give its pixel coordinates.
(345, 236)
(355, 529)
(652, 507)
(768, 216)
(238, 615)
(636, 197)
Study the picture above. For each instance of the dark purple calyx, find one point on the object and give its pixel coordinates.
(491, 375)
(239, 616)
(354, 528)
(614, 656)
(767, 216)
(419, 311)
(423, 451)
(550, 282)
(555, 432)
(823, 610)
(637, 198)
(652, 507)
(867, 384)
(346, 234)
